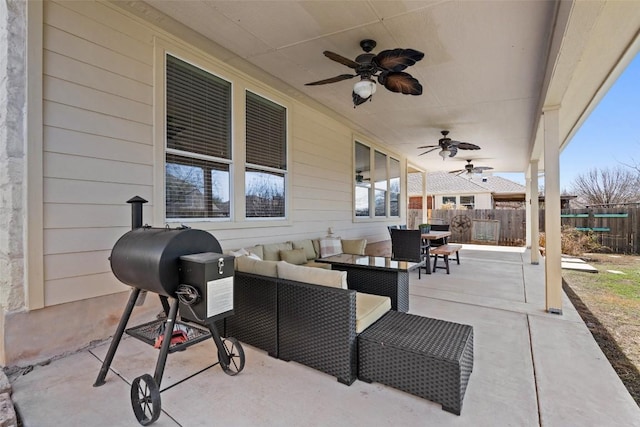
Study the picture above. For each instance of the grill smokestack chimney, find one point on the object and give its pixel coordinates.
(136, 211)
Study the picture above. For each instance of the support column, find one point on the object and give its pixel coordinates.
(534, 213)
(553, 252)
(425, 202)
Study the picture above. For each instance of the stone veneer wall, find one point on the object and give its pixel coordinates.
(12, 157)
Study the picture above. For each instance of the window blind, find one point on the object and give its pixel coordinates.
(266, 132)
(198, 110)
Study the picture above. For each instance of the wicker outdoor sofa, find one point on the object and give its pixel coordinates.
(286, 311)
(311, 324)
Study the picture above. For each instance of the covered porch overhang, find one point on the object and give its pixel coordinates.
(517, 78)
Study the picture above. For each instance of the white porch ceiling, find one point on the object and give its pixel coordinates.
(489, 67)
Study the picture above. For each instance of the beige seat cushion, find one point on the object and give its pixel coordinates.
(307, 245)
(370, 308)
(271, 251)
(355, 247)
(248, 264)
(315, 276)
(318, 265)
(294, 256)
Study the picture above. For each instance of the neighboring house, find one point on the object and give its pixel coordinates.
(458, 192)
(446, 190)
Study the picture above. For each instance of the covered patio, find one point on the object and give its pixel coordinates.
(531, 369)
(90, 94)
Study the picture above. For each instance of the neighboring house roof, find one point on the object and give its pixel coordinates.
(499, 185)
(446, 183)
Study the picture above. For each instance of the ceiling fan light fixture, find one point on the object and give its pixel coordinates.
(444, 153)
(365, 88)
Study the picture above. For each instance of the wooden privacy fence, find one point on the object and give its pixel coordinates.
(509, 225)
(615, 228)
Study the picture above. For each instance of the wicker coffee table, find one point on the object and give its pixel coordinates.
(376, 275)
(426, 357)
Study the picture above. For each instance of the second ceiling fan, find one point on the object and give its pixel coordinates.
(386, 66)
(448, 147)
(470, 169)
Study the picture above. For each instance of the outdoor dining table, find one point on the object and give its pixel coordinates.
(434, 235)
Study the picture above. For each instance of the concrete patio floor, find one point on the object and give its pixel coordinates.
(531, 368)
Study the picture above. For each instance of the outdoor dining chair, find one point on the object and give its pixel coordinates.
(407, 245)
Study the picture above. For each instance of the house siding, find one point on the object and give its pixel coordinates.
(97, 136)
(100, 81)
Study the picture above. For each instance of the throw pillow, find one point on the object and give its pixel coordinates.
(239, 252)
(307, 245)
(294, 256)
(271, 251)
(330, 247)
(355, 247)
(315, 276)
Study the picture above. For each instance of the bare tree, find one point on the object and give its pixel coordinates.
(606, 187)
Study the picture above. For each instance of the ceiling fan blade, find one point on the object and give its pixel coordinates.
(459, 171)
(400, 82)
(341, 59)
(357, 99)
(454, 150)
(397, 59)
(465, 145)
(429, 146)
(428, 151)
(480, 169)
(332, 80)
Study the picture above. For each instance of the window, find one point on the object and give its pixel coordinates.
(380, 167)
(394, 187)
(449, 201)
(384, 193)
(266, 164)
(198, 142)
(467, 201)
(362, 179)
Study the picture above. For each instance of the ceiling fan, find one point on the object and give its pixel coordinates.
(387, 66)
(360, 178)
(470, 169)
(449, 147)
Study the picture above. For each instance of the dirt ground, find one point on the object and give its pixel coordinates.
(609, 304)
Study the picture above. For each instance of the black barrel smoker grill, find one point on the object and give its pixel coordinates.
(187, 267)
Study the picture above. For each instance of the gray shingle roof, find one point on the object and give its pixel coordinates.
(446, 183)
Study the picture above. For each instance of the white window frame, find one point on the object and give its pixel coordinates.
(372, 187)
(222, 161)
(284, 172)
(240, 83)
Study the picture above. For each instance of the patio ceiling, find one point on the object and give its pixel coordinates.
(490, 67)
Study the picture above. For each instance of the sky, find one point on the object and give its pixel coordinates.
(609, 137)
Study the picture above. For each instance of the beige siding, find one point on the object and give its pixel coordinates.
(97, 137)
(99, 149)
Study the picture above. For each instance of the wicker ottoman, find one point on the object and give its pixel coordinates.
(426, 357)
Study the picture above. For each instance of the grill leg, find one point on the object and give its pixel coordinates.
(115, 341)
(165, 304)
(222, 353)
(166, 342)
